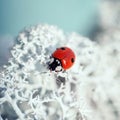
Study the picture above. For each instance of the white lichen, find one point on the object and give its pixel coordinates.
(32, 92)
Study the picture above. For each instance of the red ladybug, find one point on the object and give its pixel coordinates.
(62, 59)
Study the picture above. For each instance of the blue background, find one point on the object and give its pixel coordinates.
(70, 15)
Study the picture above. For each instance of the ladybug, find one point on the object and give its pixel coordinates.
(62, 59)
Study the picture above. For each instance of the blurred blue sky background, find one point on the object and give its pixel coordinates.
(70, 15)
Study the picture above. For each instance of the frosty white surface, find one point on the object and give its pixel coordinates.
(89, 90)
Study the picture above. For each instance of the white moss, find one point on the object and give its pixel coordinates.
(33, 92)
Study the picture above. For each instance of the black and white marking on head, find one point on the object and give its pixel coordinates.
(55, 65)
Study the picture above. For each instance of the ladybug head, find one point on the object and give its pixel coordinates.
(55, 65)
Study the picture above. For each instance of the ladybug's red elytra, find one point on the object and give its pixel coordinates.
(62, 59)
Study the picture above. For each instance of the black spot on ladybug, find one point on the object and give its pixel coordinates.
(62, 48)
(72, 60)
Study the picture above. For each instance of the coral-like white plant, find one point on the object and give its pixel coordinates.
(30, 91)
